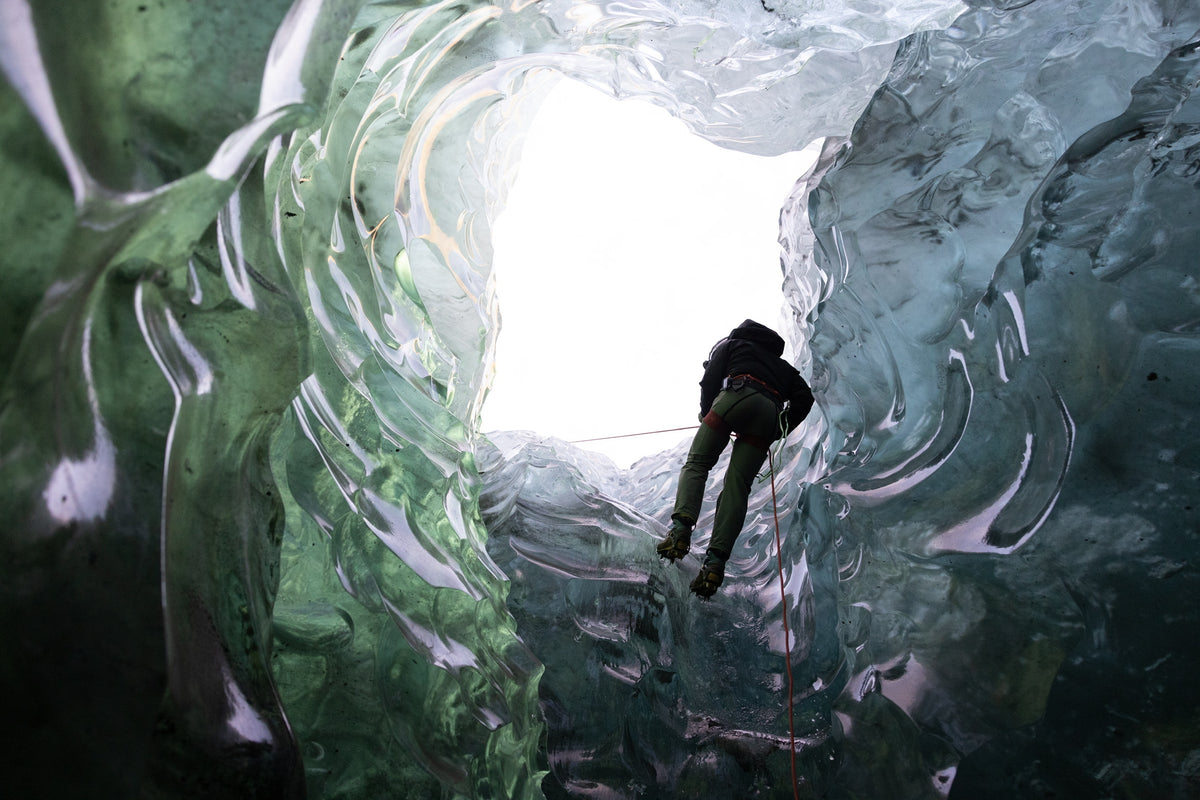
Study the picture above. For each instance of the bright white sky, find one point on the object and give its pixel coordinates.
(627, 248)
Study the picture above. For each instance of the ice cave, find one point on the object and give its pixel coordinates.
(256, 544)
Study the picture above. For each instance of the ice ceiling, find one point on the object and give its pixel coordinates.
(256, 546)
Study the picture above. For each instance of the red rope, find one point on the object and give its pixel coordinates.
(787, 646)
(627, 435)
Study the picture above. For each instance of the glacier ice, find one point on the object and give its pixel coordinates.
(256, 545)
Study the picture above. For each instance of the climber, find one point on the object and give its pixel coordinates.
(748, 390)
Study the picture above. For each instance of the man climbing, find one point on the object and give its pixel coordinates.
(749, 390)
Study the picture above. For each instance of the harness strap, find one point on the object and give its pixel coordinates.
(759, 384)
(714, 420)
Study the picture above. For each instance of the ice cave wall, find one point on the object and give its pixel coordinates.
(248, 332)
(1052, 212)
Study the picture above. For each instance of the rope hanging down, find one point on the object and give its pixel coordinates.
(787, 637)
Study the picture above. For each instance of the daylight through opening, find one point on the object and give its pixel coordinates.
(626, 248)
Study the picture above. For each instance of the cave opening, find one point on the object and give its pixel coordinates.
(627, 246)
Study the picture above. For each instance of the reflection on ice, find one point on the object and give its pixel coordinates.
(291, 546)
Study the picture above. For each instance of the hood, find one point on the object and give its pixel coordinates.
(759, 334)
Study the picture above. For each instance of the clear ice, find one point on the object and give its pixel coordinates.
(255, 544)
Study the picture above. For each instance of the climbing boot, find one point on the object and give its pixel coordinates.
(712, 574)
(677, 542)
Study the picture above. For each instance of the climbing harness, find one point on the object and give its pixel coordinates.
(736, 382)
(741, 379)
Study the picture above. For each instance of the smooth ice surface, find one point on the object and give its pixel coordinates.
(255, 544)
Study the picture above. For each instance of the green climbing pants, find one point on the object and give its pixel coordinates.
(754, 416)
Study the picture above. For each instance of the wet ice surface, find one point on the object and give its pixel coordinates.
(987, 527)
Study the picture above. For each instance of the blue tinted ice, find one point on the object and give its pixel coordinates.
(255, 543)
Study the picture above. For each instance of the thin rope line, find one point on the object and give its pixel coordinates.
(787, 638)
(627, 435)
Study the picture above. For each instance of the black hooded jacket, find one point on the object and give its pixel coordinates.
(754, 349)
